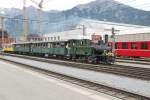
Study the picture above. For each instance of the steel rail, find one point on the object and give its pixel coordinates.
(129, 71)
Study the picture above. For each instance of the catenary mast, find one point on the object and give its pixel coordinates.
(25, 23)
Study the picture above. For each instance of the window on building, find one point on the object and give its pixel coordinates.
(45, 39)
(51, 38)
(124, 46)
(54, 38)
(133, 46)
(58, 37)
(144, 45)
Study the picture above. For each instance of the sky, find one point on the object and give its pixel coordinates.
(67, 4)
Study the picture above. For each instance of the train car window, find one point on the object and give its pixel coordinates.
(133, 46)
(124, 46)
(144, 45)
(40, 45)
(49, 45)
(46, 45)
(43, 45)
(116, 45)
(18, 45)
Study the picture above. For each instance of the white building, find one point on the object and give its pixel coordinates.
(133, 35)
(86, 28)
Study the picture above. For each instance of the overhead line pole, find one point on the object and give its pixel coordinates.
(84, 31)
(2, 17)
(2, 28)
(113, 37)
(25, 23)
(40, 6)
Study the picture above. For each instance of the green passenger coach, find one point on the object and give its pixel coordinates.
(72, 49)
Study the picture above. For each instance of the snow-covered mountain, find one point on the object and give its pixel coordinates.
(104, 10)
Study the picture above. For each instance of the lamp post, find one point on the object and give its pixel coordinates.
(2, 16)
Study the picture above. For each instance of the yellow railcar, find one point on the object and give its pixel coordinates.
(8, 48)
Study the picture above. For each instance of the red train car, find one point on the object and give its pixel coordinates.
(133, 49)
(136, 44)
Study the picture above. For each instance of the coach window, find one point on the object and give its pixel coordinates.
(133, 46)
(40, 45)
(43, 45)
(116, 45)
(144, 45)
(81, 42)
(124, 46)
(46, 45)
(49, 45)
(35, 45)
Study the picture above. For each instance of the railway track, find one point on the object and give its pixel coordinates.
(135, 59)
(144, 61)
(129, 71)
(120, 94)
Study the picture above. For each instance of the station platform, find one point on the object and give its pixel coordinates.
(137, 86)
(17, 83)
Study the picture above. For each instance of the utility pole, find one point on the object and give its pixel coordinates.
(113, 37)
(2, 16)
(113, 40)
(39, 21)
(25, 23)
(40, 6)
(2, 28)
(84, 30)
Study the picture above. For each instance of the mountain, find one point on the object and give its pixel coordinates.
(103, 10)
(110, 10)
